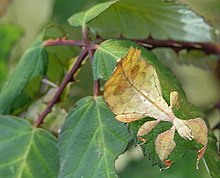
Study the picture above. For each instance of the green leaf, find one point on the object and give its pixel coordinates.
(197, 58)
(81, 18)
(71, 7)
(183, 169)
(91, 140)
(20, 86)
(212, 157)
(9, 35)
(25, 151)
(192, 57)
(3, 72)
(104, 62)
(155, 18)
(58, 56)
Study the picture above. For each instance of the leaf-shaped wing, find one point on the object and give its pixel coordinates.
(199, 130)
(147, 127)
(134, 91)
(165, 145)
(200, 134)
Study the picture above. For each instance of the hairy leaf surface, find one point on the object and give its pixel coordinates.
(26, 152)
(91, 140)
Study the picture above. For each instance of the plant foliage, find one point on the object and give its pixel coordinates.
(35, 144)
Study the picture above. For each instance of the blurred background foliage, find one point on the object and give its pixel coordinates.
(197, 73)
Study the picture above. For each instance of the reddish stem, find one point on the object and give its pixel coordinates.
(208, 48)
(68, 78)
(64, 41)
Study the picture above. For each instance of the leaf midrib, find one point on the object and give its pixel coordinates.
(24, 158)
(40, 157)
(103, 140)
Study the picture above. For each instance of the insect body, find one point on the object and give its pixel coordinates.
(134, 92)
